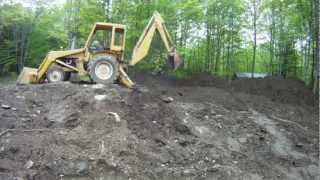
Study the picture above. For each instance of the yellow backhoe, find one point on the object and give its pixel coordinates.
(102, 57)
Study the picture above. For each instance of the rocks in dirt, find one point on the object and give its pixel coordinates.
(235, 162)
(4, 106)
(25, 119)
(72, 120)
(29, 164)
(82, 167)
(183, 129)
(233, 144)
(20, 97)
(299, 145)
(98, 86)
(72, 167)
(242, 140)
(313, 170)
(201, 129)
(102, 148)
(167, 99)
(219, 125)
(117, 117)
(100, 97)
(215, 168)
(152, 141)
(188, 172)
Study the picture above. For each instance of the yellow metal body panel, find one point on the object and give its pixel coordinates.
(124, 78)
(27, 76)
(52, 57)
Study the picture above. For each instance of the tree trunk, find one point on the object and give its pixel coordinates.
(271, 43)
(208, 46)
(316, 53)
(231, 61)
(73, 22)
(254, 37)
(73, 42)
(216, 67)
(107, 4)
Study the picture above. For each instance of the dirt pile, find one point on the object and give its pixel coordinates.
(81, 131)
(275, 88)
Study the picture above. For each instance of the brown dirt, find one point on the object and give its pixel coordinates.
(213, 129)
(275, 88)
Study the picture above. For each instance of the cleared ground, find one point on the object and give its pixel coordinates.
(201, 128)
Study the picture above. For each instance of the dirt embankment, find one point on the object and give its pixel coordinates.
(81, 131)
(275, 88)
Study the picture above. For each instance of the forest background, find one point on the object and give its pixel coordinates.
(220, 37)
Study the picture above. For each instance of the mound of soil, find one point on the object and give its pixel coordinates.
(200, 79)
(160, 130)
(205, 79)
(275, 88)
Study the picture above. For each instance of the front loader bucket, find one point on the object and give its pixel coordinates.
(174, 60)
(27, 76)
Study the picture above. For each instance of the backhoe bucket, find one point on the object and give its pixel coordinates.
(27, 76)
(174, 60)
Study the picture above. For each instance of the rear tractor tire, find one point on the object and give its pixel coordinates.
(56, 74)
(104, 70)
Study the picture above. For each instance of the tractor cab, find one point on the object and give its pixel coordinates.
(106, 37)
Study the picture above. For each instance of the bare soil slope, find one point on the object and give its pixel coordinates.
(211, 130)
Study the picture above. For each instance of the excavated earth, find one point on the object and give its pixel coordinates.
(201, 128)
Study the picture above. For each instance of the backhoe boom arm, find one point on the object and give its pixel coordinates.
(143, 45)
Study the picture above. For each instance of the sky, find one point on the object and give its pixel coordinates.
(29, 3)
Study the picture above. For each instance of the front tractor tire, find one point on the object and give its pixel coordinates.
(104, 70)
(56, 74)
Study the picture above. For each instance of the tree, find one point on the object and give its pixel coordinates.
(72, 21)
(254, 6)
(316, 51)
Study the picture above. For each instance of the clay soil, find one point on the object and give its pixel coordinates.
(201, 128)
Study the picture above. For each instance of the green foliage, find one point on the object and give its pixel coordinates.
(47, 35)
(91, 11)
(28, 34)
